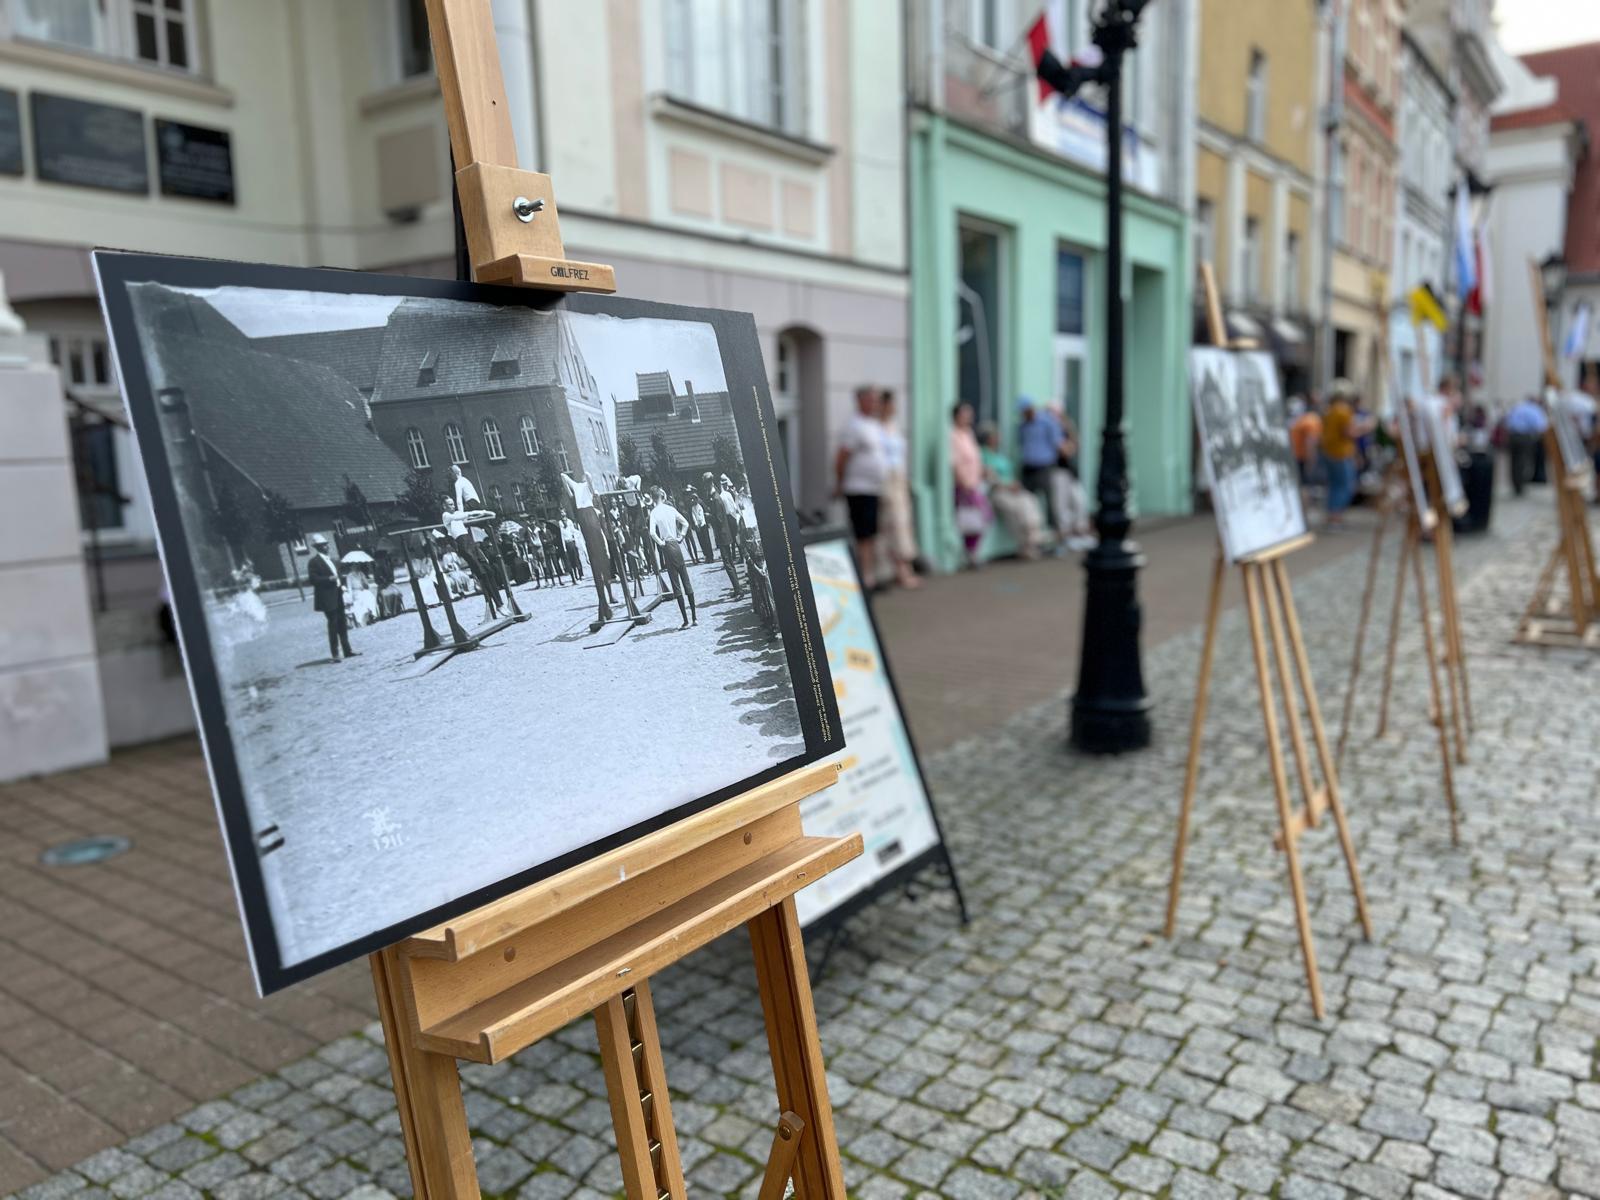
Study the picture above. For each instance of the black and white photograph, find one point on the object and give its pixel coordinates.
(471, 584)
(1244, 438)
(1433, 421)
(1562, 409)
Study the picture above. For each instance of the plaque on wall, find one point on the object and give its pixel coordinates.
(10, 133)
(194, 161)
(88, 144)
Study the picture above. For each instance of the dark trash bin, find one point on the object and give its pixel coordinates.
(1477, 481)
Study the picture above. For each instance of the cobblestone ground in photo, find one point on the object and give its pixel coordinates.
(1057, 1046)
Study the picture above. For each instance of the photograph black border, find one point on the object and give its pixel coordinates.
(764, 468)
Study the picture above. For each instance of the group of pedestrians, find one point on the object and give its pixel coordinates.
(870, 475)
(1037, 499)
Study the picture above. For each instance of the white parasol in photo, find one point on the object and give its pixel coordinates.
(357, 556)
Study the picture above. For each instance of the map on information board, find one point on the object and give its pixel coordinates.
(881, 792)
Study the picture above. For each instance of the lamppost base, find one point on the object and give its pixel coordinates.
(1111, 712)
(1110, 727)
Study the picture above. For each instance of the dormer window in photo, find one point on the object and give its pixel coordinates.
(427, 372)
(504, 366)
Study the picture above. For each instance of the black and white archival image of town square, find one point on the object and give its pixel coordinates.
(483, 585)
(1244, 437)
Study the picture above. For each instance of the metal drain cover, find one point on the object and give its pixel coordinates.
(82, 851)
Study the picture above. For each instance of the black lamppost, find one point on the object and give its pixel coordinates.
(1110, 712)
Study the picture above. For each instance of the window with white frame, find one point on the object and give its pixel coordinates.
(1291, 271)
(1255, 98)
(1250, 264)
(158, 33)
(745, 58)
(455, 443)
(1205, 231)
(417, 448)
(530, 435)
(491, 440)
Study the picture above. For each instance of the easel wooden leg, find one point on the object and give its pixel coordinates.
(1280, 781)
(1433, 690)
(427, 1091)
(1452, 611)
(1450, 718)
(1330, 769)
(796, 1052)
(780, 1159)
(1574, 531)
(1361, 631)
(1408, 547)
(1454, 670)
(641, 1112)
(1197, 725)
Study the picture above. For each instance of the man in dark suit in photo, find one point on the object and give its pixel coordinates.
(327, 587)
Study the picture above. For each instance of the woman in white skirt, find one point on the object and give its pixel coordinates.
(898, 530)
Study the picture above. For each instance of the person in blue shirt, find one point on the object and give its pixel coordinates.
(1525, 426)
(1041, 445)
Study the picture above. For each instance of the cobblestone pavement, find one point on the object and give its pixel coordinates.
(1057, 1047)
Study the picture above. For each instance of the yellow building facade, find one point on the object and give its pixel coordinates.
(1256, 170)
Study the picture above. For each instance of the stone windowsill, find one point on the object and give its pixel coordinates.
(116, 71)
(669, 108)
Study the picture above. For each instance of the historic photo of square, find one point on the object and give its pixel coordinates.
(481, 586)
(1244, 438)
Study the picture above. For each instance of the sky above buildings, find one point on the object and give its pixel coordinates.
(1528, 25)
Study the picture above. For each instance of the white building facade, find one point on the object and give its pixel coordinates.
(1533, 148)
(744, 154)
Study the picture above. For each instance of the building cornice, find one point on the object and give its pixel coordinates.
(1220, 141)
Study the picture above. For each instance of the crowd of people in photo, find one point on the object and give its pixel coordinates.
(631, 543)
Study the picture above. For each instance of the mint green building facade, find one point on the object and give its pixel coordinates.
(1008, 270)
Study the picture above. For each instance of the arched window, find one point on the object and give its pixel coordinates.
(417, 447)
(455, 443)
(491, 439)
(530, 435)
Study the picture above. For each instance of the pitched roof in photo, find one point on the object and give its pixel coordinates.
(352, 353)
(290, 426)
(432, 348)
(689, 422)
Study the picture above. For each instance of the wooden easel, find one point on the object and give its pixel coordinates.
(1550, 620)
(493, 982)
(1269, 603)
(1426, 513)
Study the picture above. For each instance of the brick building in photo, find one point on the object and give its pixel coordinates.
(686, 425)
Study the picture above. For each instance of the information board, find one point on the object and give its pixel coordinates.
(87, 144)
(10, 133)
(881, 792)
(194, 161)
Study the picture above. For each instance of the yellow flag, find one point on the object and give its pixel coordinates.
(1425, 306)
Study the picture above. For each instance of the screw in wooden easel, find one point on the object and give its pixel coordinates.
(525, 208)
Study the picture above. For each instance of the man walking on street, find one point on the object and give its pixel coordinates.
(1525, 426)
(860, 469)
(667, 530)
(327, 590)
(1041, 442)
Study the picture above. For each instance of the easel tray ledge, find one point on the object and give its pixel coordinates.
(483, 927)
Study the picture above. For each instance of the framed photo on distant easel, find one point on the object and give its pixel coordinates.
(1569, 438)
(1433, 433)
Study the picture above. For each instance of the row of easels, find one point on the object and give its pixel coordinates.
(495, 981)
